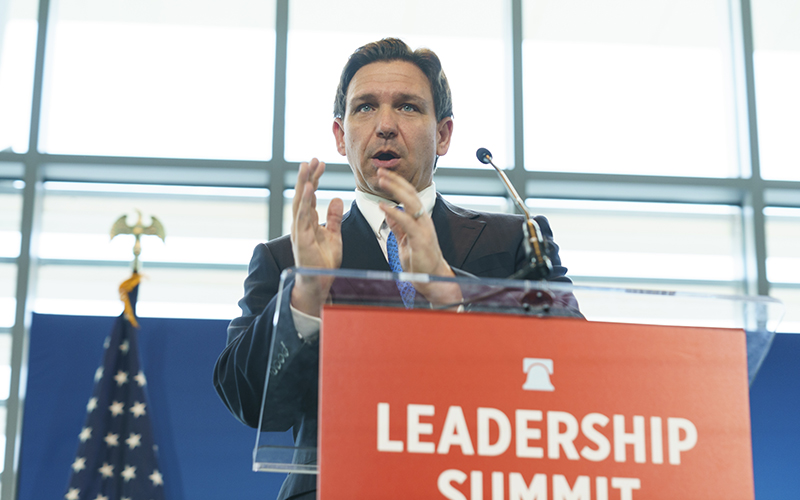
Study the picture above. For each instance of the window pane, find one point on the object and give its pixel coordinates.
(202, 224)
(652, 245)
(10, 213)
(783, 262)
(5, 366)
(18, 28)
(8, 290)
(790, 296)
(323, 34)
(627, 87)
(776, 38)
(163, 293)
(170, 79)
(197, 272)
(783, 243)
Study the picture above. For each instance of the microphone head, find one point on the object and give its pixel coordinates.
(484, 156)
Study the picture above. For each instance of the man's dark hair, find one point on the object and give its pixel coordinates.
(393, 49)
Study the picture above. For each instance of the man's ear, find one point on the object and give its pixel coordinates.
(444, 132)
(338, 132)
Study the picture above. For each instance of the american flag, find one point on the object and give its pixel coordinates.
(116, 457)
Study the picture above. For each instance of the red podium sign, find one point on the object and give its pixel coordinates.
(425, 404)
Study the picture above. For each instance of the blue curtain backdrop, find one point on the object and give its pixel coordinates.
(205, 454)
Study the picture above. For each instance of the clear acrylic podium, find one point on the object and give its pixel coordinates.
(275, 448)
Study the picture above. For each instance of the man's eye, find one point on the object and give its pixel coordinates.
(408, 107)
(364, 108)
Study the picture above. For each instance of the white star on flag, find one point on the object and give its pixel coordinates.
(72, 494)
(129, 473)
(86, 434)
(106, 342)
(140, 379)
(98, 374)
(121, 377)
(117, 408)
(123, 347)
(100, 497)
(134, 440)
(156, 478)
(138, 409)
(79, 464)
(91, 405)
(107, 470)
(112, 439)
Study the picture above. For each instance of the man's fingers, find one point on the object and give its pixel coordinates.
(302, 178)
(334, 218)
(317, 169)
(401, 190)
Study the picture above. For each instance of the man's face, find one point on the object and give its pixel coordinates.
(390, 122)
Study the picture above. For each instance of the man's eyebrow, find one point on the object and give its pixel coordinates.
(363, 97)
(397, 98)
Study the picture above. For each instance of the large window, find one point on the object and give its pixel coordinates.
(18, 31)
(627, 87)
(777, 70)
(169, 79)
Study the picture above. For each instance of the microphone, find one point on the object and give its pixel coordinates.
(484, 156)
(539, 266)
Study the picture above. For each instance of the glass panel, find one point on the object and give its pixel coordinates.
(18, 30)
(3, 416)
(5, 366)
(783, 242)
(629, 87)
(790, 296)
(202, 224)
(10, 213)
(163, 293)
(198, 272)
(8, 291)
(170, 79)
(776, 61)
(323, 34)
(783, 262)
(275, 451)
(637, 243)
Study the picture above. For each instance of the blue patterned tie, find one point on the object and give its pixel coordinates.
(406, 289)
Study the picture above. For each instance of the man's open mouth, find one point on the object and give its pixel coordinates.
(386, 156)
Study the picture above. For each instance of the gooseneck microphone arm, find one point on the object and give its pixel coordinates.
(539, 266)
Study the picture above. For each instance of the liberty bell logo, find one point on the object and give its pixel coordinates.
(538, 371)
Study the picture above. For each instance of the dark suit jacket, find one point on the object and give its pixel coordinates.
(481, 244)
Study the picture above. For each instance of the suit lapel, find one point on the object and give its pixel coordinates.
(457, 229)
(360, 248)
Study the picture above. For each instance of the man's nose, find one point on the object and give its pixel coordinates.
(387, 124)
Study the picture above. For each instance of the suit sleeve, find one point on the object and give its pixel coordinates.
(255, 346)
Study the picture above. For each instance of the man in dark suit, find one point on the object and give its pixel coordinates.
(393, 118)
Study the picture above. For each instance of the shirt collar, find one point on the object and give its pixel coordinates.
(368, 205)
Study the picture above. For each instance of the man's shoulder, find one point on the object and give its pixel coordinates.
(453, 210)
